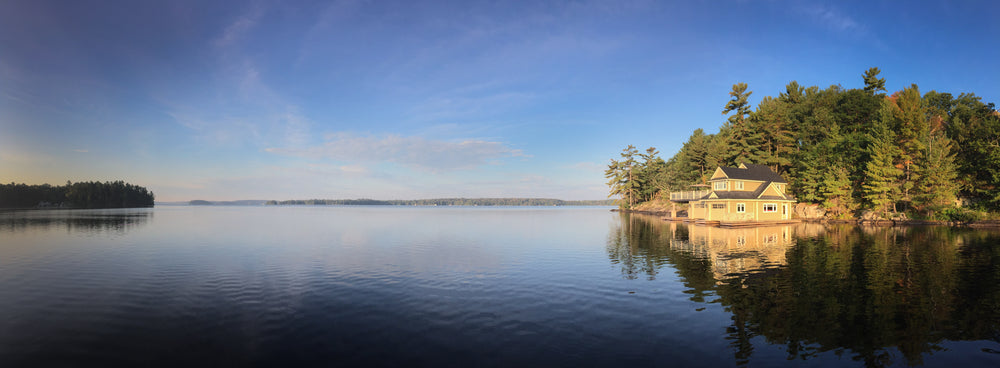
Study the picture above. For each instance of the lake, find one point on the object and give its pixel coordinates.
(486, 286)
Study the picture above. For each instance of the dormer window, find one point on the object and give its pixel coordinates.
(739, 185)
(720, 185)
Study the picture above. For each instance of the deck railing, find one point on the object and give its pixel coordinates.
(688, 195)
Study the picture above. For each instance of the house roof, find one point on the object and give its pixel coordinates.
(752, 172)
(748, 195)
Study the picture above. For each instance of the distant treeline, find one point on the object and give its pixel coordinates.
(446, 202)
(242, 202)
(117, 194)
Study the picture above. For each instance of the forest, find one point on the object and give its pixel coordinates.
(90, 194)
(907, 154)
(446, 202)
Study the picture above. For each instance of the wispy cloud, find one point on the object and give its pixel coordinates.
(240, 107)
(418, 152)
(833, 19)
(240, 27)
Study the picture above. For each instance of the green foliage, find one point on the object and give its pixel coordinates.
(903, 151)
(873, 83)
(117, 194)
(837, 193)
(936, 186)
(881, 175)
(636, 181)
(957, 214)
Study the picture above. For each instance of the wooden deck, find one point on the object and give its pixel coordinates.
(758, 223)
(731, 224)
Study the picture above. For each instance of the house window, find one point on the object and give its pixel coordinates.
(740, 207)
(770, 207)
(720, 185)
(718, 206)
(739, 185)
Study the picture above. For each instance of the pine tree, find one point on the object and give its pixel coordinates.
(625, 179)
(837, 192)
(873, 83)
(744, 141)
(881, 175)
(909, 122)
(937, 186)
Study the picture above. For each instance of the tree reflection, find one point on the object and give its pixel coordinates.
(862, 291)
(85, 221)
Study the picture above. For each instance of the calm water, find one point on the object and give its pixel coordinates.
(475, 286)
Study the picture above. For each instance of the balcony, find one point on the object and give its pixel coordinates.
(688, 196)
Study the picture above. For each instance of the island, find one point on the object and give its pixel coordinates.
(854, 154)
(88, 194)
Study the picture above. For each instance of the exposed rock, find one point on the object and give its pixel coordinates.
(869, 216)
(809, 211)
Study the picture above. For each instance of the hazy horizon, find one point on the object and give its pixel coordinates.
(437, 99)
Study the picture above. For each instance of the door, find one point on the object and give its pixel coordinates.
(784, 212)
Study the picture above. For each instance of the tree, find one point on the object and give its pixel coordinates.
(771, 123)
(910, 125)
(873, 83)
(937, 187)
(837, 192)
(653, 175)
(739, 103)
(623, 179)
(742, 137)
(881, 175)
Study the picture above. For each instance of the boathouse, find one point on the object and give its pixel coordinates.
(748, 193)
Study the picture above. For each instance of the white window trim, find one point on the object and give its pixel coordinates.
(764, 208)
(741, 208)
(719, 185)
(739, 185)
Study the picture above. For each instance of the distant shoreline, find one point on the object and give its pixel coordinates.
(410, 202)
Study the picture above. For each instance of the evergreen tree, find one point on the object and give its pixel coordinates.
(623, 177)
(743, 139)
(772, 124)
(838, 192)
(881, 175)
(873, 83)
(911, 132)
(937, 187)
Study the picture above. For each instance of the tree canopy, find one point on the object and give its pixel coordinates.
(847, 149)
(90, 194)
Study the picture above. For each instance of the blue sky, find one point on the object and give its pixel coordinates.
(412, 99)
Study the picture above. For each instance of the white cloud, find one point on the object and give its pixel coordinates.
(237, 29)
(833, 19)
(434, 155)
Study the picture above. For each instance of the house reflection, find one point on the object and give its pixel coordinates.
(883, 296)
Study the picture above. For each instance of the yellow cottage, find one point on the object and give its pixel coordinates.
(740, 194)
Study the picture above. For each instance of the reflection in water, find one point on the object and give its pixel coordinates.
(115, 221)
(870, 293)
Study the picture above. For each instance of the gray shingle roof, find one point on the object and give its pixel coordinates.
(748, 195)
(753, 172)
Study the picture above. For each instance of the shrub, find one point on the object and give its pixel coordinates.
(957, 214)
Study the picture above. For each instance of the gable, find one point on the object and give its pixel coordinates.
(770, 191)
(719, 174)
